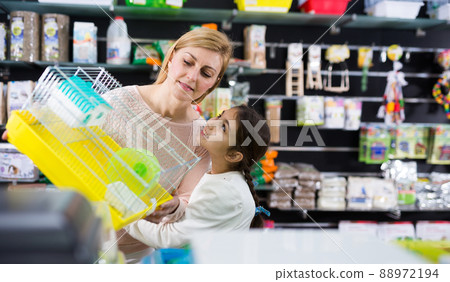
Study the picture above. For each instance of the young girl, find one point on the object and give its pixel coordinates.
(224, 199)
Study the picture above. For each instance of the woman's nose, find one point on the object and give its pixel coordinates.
(192, 75)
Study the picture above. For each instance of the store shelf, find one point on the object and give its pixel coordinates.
(15, 64)
(291, 18)
(361, 98)
(296, 215)
(109, 67)
(313, 149)
(226, 15)
(67, 9)
(252, 72)
(369, 22)
(168, 14)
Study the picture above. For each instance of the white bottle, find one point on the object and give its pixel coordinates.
(118, 44)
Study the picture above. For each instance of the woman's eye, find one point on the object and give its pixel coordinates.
(187, 63)
(205, 74)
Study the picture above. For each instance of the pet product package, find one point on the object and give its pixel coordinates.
(18, 94)
(2, 105)
(255, 45)
(84, 43)
(14, 165)
(24, 28)
(310, 110)
(55, 38)
(2, 42)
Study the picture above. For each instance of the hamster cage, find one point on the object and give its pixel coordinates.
(81, 131)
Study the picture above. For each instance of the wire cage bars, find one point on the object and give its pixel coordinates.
(83, 130)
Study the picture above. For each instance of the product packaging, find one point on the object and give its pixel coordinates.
(399, 230)
(353, 108)
(255, 45)
(146, 54)
(310, 110)
(433, 230)
(118, 44)
(223, 100)
(273, 117)
(2, 42)
(2, 105)
(18, 94)
(334, 112)
(16, 166)
(439, 152)
(24, 27)
(55, 38)
(84, 43)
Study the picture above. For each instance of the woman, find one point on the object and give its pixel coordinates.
(193, 68)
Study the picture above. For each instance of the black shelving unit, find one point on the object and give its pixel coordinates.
(354, 28)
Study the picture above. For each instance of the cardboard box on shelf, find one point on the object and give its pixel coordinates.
(17, 94)
(2, 105)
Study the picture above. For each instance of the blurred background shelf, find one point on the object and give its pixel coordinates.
(226, 15)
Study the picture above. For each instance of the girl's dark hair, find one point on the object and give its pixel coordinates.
(253, 151)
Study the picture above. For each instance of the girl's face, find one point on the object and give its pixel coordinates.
(219, 133)
(193, 70)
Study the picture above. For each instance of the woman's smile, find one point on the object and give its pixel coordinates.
(185, 87)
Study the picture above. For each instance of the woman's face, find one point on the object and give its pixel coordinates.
(193, 70)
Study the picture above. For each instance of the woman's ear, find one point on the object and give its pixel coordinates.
(169, 63)
(234, 156)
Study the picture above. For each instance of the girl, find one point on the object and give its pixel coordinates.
(224, 199)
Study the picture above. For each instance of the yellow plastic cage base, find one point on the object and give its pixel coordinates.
(65, 164)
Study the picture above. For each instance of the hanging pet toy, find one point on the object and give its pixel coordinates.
(313, 75)
(365, 55)
(337, 54)
(440, 90)
(393, 108)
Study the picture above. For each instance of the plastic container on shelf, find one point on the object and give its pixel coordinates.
(327, 7)
(439, 9)
(393, 8)
(280, 6)
(175, 4)
(118, 44)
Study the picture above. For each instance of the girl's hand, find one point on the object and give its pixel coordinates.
(163, 210)
(5, 135)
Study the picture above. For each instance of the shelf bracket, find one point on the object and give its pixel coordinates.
(395, 214)
(304, 214)
(336, 28)
(420, 32)
(4, 73)
(227, 24)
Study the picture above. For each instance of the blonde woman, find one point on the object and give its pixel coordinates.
(192, 68)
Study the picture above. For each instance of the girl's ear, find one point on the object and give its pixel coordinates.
(234, 156)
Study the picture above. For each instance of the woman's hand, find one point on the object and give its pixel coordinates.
(163, 210)
(5, 135)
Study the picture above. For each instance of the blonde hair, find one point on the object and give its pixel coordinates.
(205, 38)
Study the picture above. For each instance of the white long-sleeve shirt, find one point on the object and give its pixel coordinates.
(218, 202)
